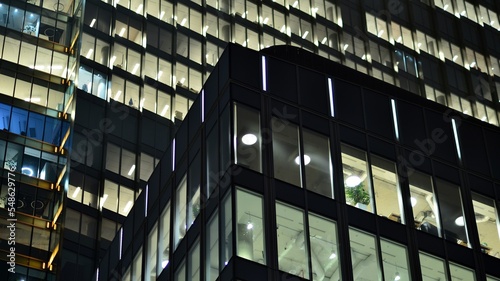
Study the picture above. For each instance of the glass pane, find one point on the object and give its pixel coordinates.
(292, 250)
(194, 262)
(324, 248)
(452, 216)
(487, 224)
(226, 235)
(286, 151)
(109, 199)
(432, 268)
(212, 255)
(425, 211)
(180, 274)
(250, 227)
(395, 261)
(459, 273)
(164, 242)
(137, 266)
(365, 263)
(386, 187)
(180, 212)
(318, 164)
(356, 181)
(248, 140)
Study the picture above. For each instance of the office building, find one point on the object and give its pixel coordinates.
(109, 70)
(327, 175)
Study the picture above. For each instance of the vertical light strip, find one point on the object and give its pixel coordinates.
(97, 275)
(330, 92)
(202, 105)
(395, 118)
(455, 134)
(146, 201)
(264, 74)
(121, 244)
(173, 155)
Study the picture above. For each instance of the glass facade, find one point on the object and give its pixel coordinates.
(130, 62)
(403, 214)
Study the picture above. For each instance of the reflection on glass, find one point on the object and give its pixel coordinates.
(356, 180)
(292, 248)
(286, 152)
(152, 254)
(386, 187)
(248, 138)
(249, 227)
(432, 268)
(459, 273)
(212, 255)
(180, 212)
(194, 262)
(425, 211)
(180, 274)
(452, 216)
(137, 266)
(324, 248)
(164, 242)
(226, 235)
(395, 261)
(194, 190)
(365, 263)
(318, 164)
(487, 224)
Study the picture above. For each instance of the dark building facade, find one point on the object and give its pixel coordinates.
(327, 175)
(111, 80)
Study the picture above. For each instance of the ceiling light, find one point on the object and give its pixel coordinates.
(104, 197)
(92, 22)
(413, 201)
(164, 263)
(352, 181)
(249, 225)
(397, 276)
(27, 171)
(305, 34)
(249, 139)
(127, 207)
(122, 32)
(460, 221)
(75, 193)
(307, 159)
(332, 256)
(131, 171)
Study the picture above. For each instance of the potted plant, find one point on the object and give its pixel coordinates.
(358, 196)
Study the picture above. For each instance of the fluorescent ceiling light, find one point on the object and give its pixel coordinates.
(307, 159)
(413, 201)
(460, 221)
(75, 193)
(132, 169)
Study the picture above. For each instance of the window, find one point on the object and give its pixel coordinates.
(458, 273)
(487, 224)
(194, 262)
(364, 256)
(180, 224)
(394, 260)
(426, 43)
(137, 266)
(286, 154)
(180, 274)
(423, 202)
(377, 27)
(212, 253)
(164, 241)
(317, 163)
(248, 138)
(250, 226)
(293, 254)
(386, 188)
(432, 267)
(194, 190)
(356, 180)
(453, 220)
(324, 248)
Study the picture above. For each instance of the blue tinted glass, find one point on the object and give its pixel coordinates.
(52, 131)
(19, 121)
(35, 126)
(4, 116)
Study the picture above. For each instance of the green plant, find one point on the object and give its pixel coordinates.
(357, 194)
